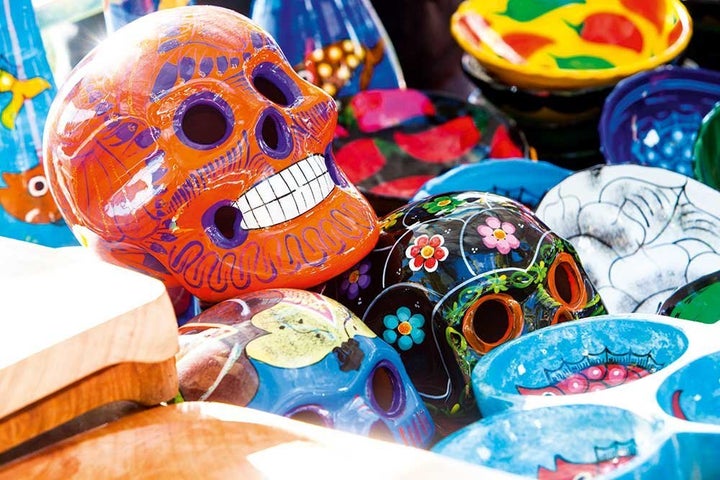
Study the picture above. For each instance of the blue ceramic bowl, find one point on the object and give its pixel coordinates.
(523, 180)
(576, 359)
(652, 118)
(691, 392)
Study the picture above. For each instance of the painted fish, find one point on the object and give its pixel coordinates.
(20, 90)
(331, 67)
(27, 196)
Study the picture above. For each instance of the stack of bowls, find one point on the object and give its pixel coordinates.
(552, 64)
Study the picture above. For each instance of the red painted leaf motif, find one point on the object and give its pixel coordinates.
(502, 146)
(653, 10)
(611, 29)
(442, 143)
(525, 44)
(405, 187)
(360, 159)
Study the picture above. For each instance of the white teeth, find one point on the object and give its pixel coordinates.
(285, 195)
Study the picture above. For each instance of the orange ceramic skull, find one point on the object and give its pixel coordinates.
(185, 146)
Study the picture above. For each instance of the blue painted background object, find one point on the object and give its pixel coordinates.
(27, 210)
(339, 46)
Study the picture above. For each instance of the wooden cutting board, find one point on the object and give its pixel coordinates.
(77, 333)
(218, 441)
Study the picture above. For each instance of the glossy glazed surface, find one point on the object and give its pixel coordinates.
(341, 47)
(305, 356)
(390, 142)
(185, 146)
(698, 300)
(571, 43)
(706, 153)
(653, 118)
(641, 232)
(452, 277)
(523, 180)
(27, 209)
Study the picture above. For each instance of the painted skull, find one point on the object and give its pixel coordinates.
(454, 276)
(186, 146)
(304, 356)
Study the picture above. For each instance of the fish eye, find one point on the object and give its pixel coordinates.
(37, 186)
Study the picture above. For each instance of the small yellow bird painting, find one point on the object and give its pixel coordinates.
(20, 91)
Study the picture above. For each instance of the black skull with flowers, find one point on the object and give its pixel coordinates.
(454, 276)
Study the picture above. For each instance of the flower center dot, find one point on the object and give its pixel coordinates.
(499, 234)
(427, 251)
(405, 328)
(354, 276)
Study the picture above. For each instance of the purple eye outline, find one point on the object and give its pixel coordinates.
(212, 104)
(398, 401)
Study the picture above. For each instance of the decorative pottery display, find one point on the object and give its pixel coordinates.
(341, 47)
(390, 142)
(121, 12)
(186, 147)
(537, 106)
(27, 209)
(706, 153)
(652, 118)
(640, 231)
(452, 277)
(638, 390)
(523, 180)
(304, 356)
(567, 44)
(699, 300)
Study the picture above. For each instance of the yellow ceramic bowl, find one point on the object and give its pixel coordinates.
(567, 44)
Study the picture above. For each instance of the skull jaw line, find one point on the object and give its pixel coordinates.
(285, 195)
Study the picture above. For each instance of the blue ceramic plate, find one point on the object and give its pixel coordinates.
(652, 118)
(521, 179)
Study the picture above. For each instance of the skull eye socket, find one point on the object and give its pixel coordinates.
(312, 414)
(491, 321)
(203, 121)
(565, 282)
(37, 186)
(273, 83)
(386, 390)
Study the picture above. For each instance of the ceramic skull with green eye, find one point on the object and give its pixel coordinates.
(454, 276)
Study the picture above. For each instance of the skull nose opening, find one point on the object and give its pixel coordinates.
(491, 321)
(565, 283)
(273, 135)
(310, 414)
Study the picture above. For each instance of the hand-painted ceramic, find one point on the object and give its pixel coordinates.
(121, 12)
(27, 209)
(640, 231)
(525, 181)
(651, 370)
(341, 47)
(706, 153)
(698, 300)
(554, 443)
(454, 276)
(390, 142)
(567, 44)
(652, 118)
(186, 147)
(304, 356)
(537, 106)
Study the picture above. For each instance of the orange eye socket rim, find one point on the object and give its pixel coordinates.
(578, 293)
(514, 315)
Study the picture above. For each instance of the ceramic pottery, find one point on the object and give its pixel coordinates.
(523, 180)
(452, 277)
(537, 106)
(304, 356)
(567, 44)
(186, 147)
(341, 47)
(390, 142)
(641, 232)
(27, 209)
(699, 300)
(706, 153)
(652, 118)
(638, 390)
(121, 12)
